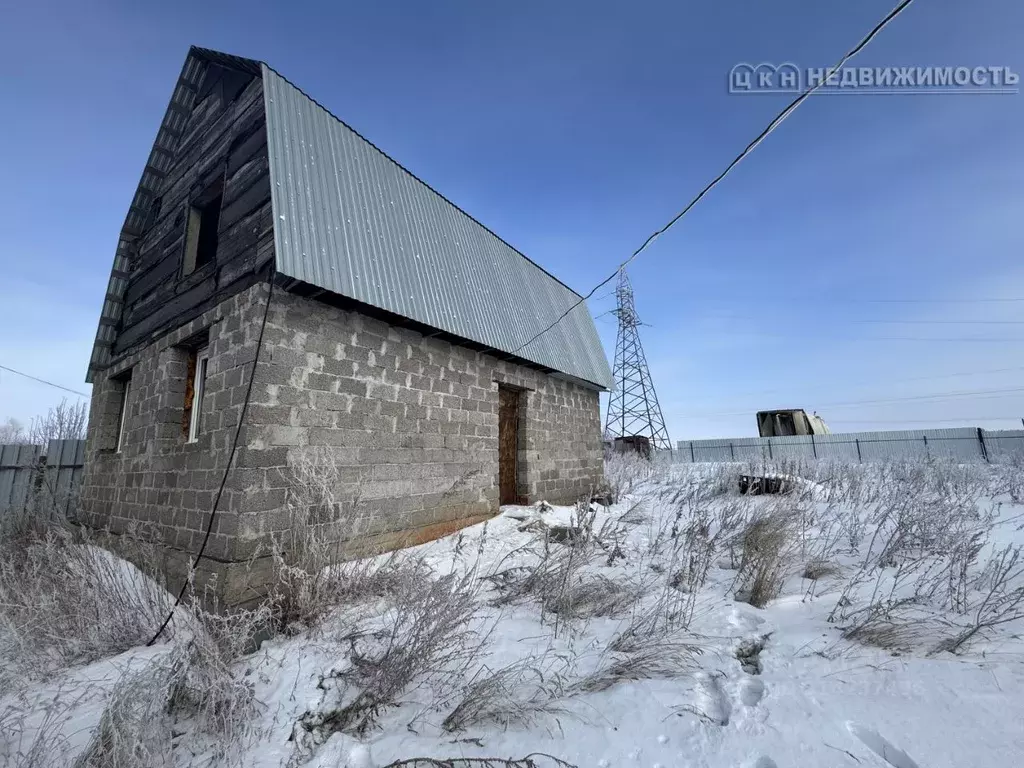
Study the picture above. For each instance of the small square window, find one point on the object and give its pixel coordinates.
(195, 389)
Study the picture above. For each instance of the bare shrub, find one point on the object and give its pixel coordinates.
(318, 562)
(523, 692)
(894, 615)
(534, 760)
(635, 515)
(1007, 476)
(768, 542)
(321, 521)
(560, 579)
(694, 553)
(135, 727)
(1001, 601)
(206, 683)
(901, 626)
(623, 472)
(517, 694)
(817, 568)
(660, 657)
(65, 601)
(593, 596)
(429, 635)
(44, 746)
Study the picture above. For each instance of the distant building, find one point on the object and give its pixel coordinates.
(394, 340)
(789, 422)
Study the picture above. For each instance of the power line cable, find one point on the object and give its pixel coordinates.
(776, 121)
(893, 381)
(976, 394)
(44, 381)
(924, 421)
(859, 321)
(227, 468)
(848, 299)
(754, 335)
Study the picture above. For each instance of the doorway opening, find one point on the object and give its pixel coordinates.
(508, 444)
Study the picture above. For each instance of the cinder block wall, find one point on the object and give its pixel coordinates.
(410, 422)
(158, 486)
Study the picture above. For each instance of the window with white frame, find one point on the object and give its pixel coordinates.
(195, 388)
(125, 382)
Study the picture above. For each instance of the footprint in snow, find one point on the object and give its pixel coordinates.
(712, 701)
(751, 692)
(881, 746)
(744, 621)
(764, 762)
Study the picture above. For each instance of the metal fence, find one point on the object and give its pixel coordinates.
(963, 444)
(38, 479)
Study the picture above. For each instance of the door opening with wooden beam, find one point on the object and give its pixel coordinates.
(508, 445)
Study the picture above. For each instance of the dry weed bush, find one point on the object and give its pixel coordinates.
(623, 472)
(317, 564)
(528, 690)
(769, 542)
(45, 746)
(661, 658)
(65, 601)
(428, 643)
(197, 683)
(534, 760)
(818, 568)
(1007, 473)
(563, 579)
(998, 599)
(519, 694)
(207, 685)
(135, 727)
(920, 585)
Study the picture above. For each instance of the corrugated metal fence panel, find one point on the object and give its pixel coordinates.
(64, 462)
(31, 478)
(960, 444)
(835, 447)
(349, 219)
(795, 447)
(17, 465)
(1005, 443)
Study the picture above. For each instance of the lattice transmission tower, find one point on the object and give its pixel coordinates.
(633, 409)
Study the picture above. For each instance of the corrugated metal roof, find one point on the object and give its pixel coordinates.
(349, 219)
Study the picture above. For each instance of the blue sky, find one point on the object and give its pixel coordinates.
(573, 130)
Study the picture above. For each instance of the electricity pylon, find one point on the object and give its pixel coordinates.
(633, 409)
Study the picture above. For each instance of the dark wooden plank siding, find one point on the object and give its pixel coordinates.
(221, 140)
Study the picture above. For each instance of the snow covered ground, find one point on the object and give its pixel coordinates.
(613, 636)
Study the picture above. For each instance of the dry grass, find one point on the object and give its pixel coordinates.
(532, 689)
(562, 578)
(661, 657)
(534, 760)
(429, 638)
(518, 694)
(135, 728)
(768, 544)
(43, 747)
(817, 568)
(65, 601)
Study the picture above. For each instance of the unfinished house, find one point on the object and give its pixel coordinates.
(277, 268)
